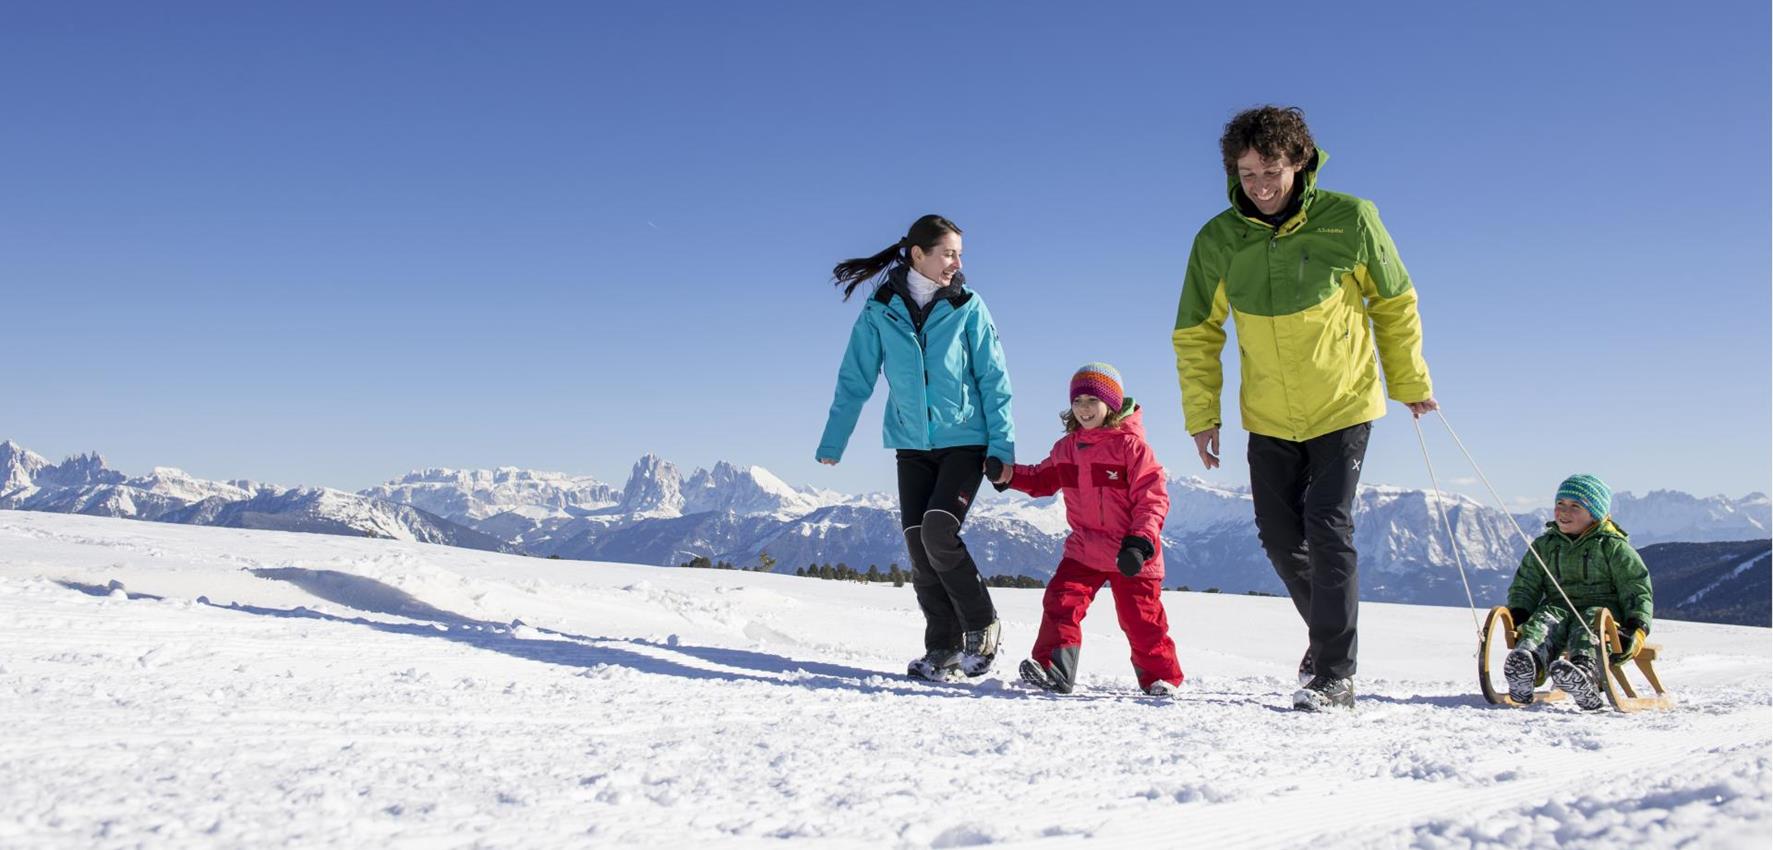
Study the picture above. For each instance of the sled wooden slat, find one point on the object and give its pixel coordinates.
(1620, 692)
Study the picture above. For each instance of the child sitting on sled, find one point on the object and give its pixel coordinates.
(1115, 503)
(1597, 568)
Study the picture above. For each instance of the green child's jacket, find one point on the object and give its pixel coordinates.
(1598, 569)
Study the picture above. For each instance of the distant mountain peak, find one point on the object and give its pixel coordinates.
(654, 487)
(470, 495)
(749, 490)
(19, 467)
(79, 471)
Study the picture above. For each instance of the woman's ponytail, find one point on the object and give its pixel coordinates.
(850, 274)
(924, 233)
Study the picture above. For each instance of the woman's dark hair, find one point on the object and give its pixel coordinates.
(1272, 132)
(924, 233)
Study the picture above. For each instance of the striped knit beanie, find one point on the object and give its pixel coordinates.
(1590, 492)
(1100, 380)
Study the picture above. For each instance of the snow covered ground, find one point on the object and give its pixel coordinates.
(267, 689)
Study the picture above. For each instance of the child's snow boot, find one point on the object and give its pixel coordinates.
(1576, 677)
(1044, 676)
(1521, 668)
(1164, 690)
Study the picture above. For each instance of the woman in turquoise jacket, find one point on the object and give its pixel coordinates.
(948, 409)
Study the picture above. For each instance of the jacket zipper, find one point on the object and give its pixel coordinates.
(916, 334)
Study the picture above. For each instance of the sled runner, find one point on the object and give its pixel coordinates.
(1490, 655)
(1619, 690)
(1614, 683)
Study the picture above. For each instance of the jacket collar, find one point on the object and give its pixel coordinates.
(955, 293)
(1302, 205)
(1132, 423)
(1605, 528)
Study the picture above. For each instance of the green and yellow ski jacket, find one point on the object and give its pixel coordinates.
(1310, 299)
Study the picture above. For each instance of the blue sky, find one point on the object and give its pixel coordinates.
(328, 243)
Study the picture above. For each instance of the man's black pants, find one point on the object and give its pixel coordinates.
(1304, 495)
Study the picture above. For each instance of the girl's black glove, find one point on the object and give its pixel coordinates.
(1134, 552)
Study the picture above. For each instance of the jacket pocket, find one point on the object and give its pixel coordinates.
(1109, 476)
(1068, 475)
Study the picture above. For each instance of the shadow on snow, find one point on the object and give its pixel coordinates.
(568, 650)
(647, 656)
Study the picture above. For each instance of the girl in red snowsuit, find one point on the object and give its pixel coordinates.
(1115, 503)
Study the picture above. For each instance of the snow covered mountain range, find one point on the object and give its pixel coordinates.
(736, 514)
(83, 484)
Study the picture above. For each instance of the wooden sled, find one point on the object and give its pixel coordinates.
(1614, 683)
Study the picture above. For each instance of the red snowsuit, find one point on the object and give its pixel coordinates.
(1113, 488)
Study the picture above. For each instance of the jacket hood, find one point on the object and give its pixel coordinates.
(1132, 422)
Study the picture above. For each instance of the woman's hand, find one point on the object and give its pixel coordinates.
(998, 472)
(827, 461)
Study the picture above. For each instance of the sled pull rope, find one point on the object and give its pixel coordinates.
(1447, 522)
(1576, 614)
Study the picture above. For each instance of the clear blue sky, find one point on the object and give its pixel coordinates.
(326, 243)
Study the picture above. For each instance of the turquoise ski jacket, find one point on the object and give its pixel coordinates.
(946, 381)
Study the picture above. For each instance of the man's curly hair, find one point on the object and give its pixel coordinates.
(1272, 131)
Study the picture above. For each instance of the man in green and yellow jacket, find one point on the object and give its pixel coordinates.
(1314, 284)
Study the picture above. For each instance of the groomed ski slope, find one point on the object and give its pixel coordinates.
(266, 689)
